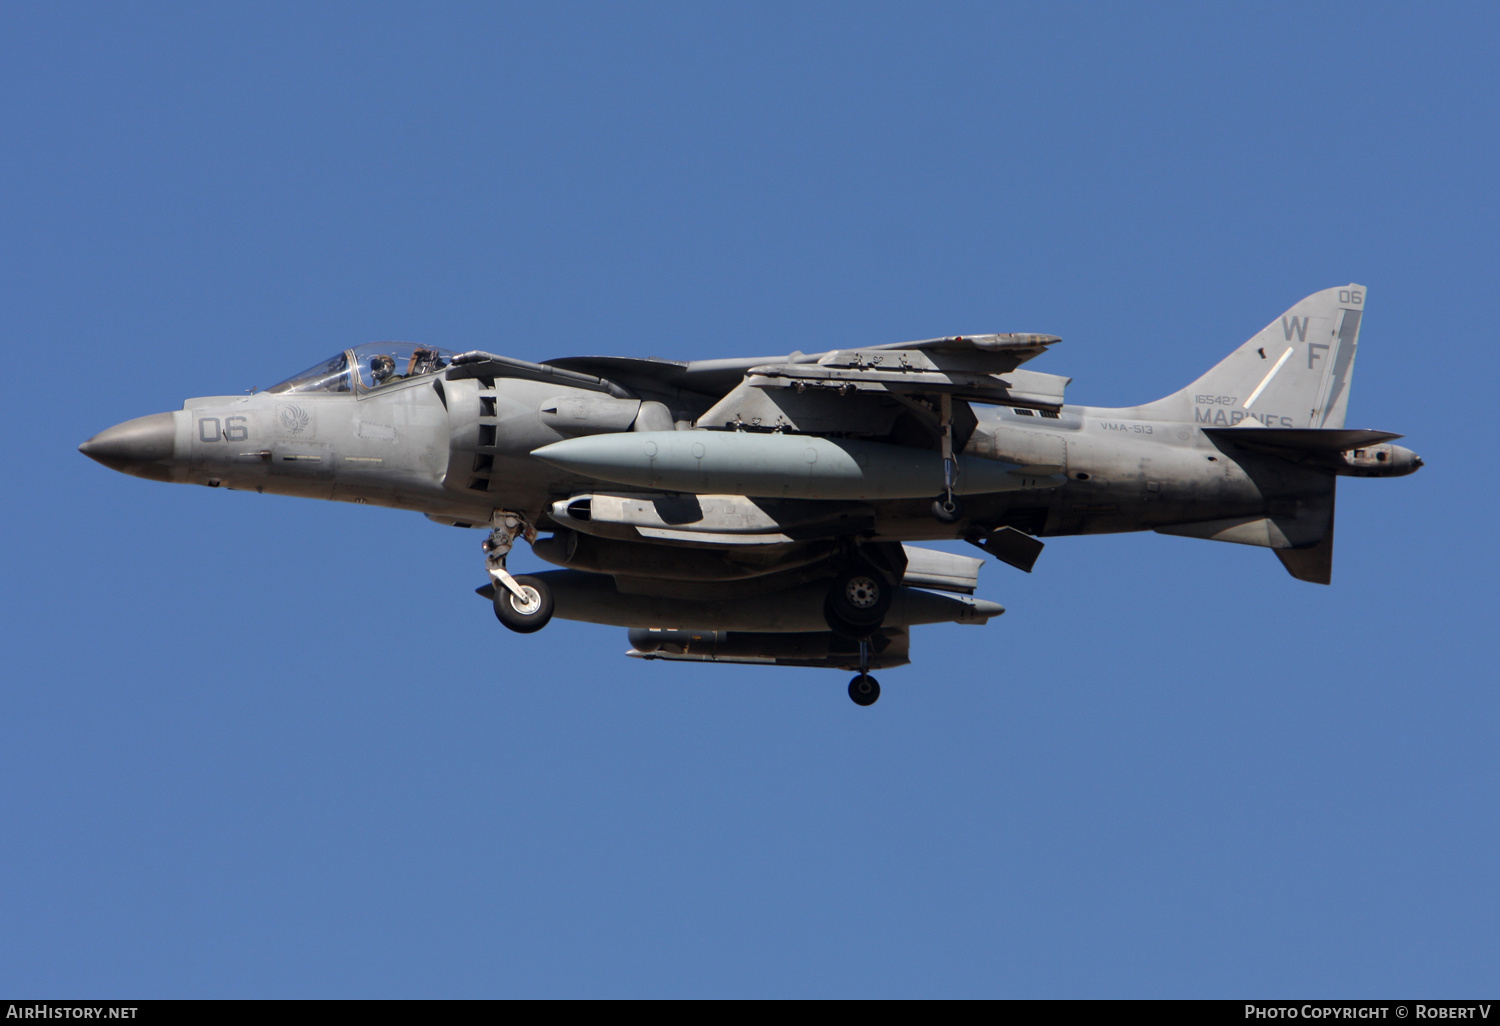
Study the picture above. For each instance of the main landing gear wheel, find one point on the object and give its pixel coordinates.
(857, 602)
(525, 613)
(864, 689)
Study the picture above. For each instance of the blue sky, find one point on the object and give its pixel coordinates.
(256, 746)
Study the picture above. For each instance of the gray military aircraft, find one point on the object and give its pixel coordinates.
(759, 510)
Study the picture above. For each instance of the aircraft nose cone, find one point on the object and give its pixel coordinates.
(143, 446)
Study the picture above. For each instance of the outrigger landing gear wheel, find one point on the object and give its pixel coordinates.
(527, 612)
(857, 602)
(864, 689)
(947, 510)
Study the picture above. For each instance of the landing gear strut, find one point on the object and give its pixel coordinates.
(864, 689)
(945, 508)
(524, 604)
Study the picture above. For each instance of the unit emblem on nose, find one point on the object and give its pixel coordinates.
(293, 418)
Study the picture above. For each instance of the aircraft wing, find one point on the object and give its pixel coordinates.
(962, 365)
(849, 391)
(651, 375)
(1005, 351)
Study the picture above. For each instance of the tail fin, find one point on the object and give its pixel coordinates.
(1294, 374)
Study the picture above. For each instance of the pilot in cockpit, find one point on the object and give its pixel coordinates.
(382, 370)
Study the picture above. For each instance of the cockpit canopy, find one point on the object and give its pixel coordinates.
(367, 367)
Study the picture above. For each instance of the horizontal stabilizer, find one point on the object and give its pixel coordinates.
(1303, 439)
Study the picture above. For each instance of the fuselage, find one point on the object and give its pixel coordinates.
(458, 450)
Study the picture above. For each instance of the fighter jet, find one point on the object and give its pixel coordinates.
(763, 510)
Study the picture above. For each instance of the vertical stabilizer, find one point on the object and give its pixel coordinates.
(1294, 373)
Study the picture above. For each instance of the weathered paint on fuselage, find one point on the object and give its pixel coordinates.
(1129, 472)
(388, 448)
(414, 445)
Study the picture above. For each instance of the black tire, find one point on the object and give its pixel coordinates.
(530, 616)
(858, 600)
(845, 629)
(864, 690)
(946, 512)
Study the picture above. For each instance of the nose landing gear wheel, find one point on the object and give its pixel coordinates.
(864, 689)
(527, 613)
